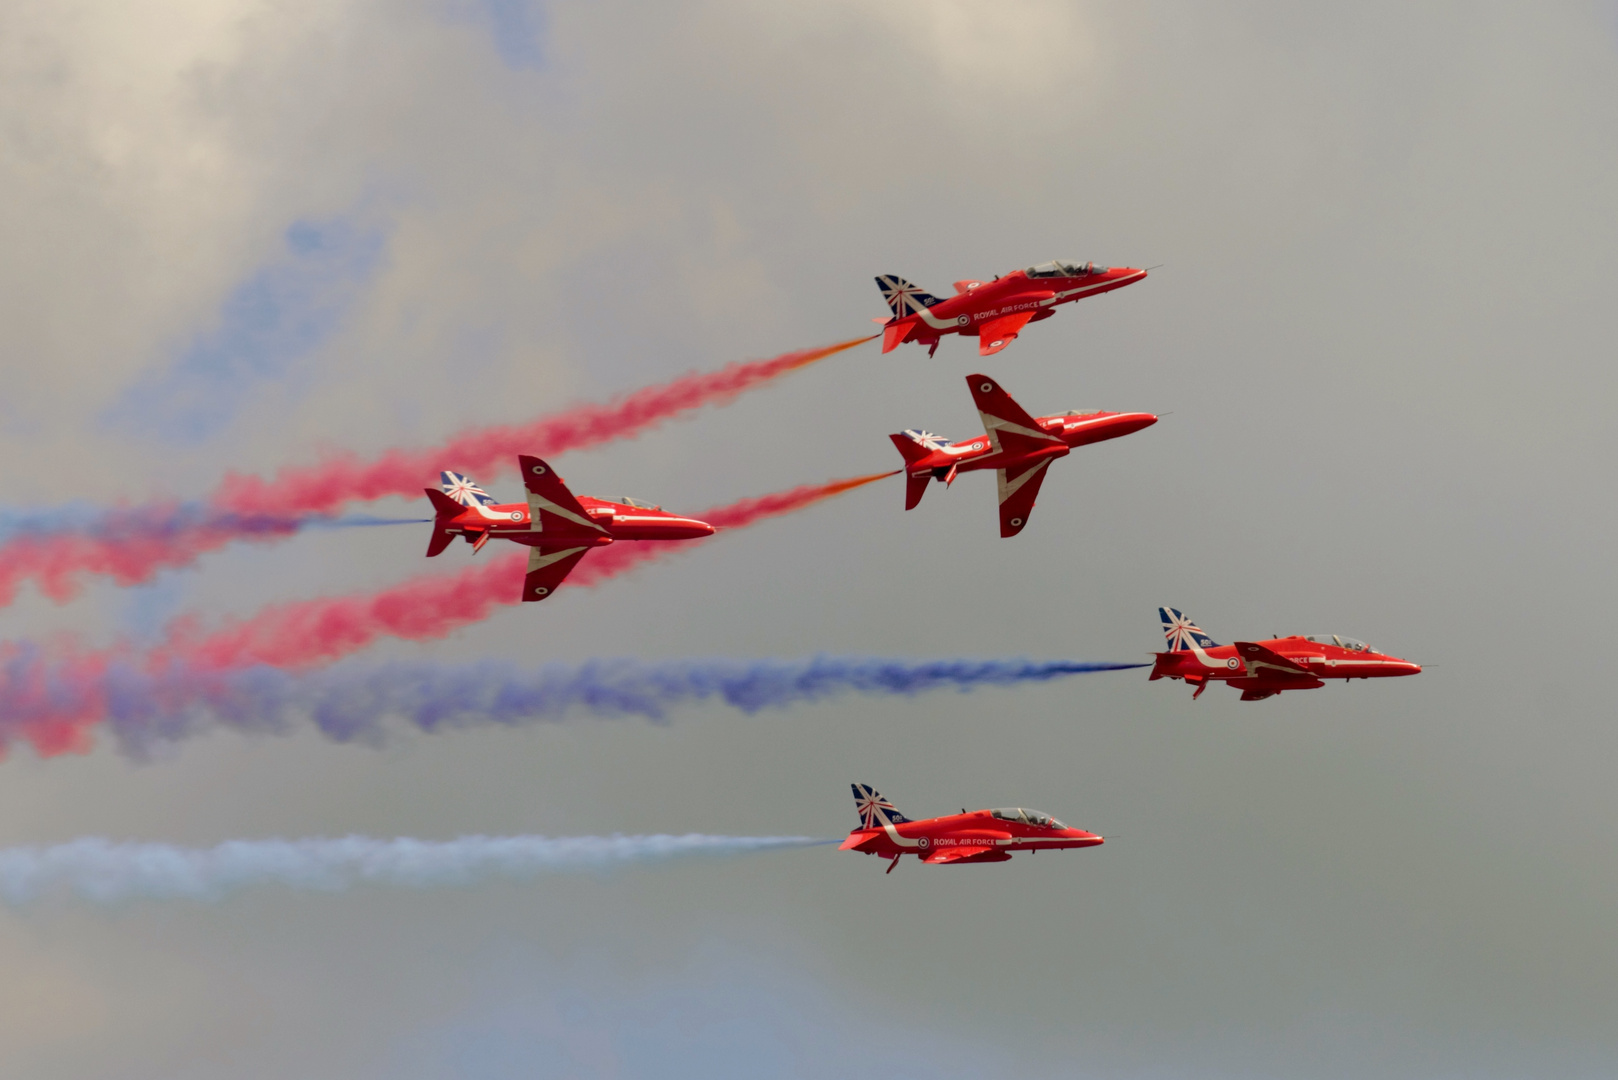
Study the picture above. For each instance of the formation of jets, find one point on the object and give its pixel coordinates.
(560, 528)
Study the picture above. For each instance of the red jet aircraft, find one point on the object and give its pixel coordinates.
(1261, 669)
(559, 528)
(982, 836)
(995, 311)
(1017, 446)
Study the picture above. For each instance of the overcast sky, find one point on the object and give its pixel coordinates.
(238, 233)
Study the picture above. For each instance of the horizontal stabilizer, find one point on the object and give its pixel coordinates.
(895, 335)
(443, 505)
(915, 488)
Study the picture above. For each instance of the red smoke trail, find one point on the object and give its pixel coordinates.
(321, 488)
(132, 545)
(130, 553)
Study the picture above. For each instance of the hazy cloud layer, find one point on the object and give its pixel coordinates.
(1382, 336)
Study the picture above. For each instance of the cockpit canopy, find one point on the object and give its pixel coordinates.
(639, 504)
(1027, 817)
(1351, 644)
(1063, 268)
(1084, 412)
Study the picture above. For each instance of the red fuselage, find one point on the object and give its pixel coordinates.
(1074, 429)
(978, 837)
(1245, 666)
(620, 521)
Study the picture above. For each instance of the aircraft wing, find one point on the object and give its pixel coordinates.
(996, 334)
(1265, 663)
(548, 564)
(1007, 424)
(551, 506)
(966, 854)
(1019, 488)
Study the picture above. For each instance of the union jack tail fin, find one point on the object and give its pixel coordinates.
(875, 811)
(460, 487)
(1182, 633)
(902, 297)
(914, 444)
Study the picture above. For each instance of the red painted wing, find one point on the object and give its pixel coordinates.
(547, 566)
(1009, 427)
(552, 509)
(996, 334)
(1019, 488)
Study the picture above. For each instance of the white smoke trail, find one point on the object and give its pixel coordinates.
(107, 872)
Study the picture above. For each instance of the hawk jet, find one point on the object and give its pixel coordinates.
(1261, 669)
(982, 836)
(558, 527)
(995, 311)
(1018, 447)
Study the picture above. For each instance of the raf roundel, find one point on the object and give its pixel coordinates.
(1016, 523)
(986, 387)
(540, 590)
(1233, 663)
(922, 842)
(539, 470)
(516, 515)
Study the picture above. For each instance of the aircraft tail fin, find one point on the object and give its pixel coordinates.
(1182, 633)
(459, 487)
(445, 509)
(904, 298)
(875, 811)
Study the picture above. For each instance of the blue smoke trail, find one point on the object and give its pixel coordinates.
(106, 872)
(350, 702)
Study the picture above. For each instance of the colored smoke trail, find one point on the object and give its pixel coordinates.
(351, 703)
(320, 488)
(108, 872)
(53, 701)
(59, 547)
(132, 545)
